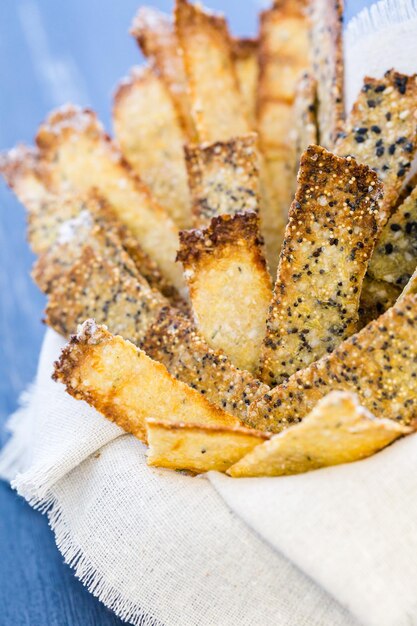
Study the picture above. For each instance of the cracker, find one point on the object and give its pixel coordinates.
(377, 296)
(217, 104)
(81, 156)
(379, 364)
(198, 448)
(305, 116)
(24, 174)
(245, 53)
(150, 136)
(326, 47)
(338, 430)
(229, 285)
(126, 386)
(154, 31)
(329, 239)
(381, 131)
(223, 178)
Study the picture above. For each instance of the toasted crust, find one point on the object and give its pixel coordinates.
(210, 71)
(381, 131)
(174, 341)
(223, 178)
(229, 284)
(305, 115)
(72, 142)
(338, 430)
(379, 364)
(327, 61)
(329, 239)
(198, 448)
(151, 139)
(245, 53)
(126, 386)
(156, 36)
(377, 296)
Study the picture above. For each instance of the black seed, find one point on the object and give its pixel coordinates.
(388, 248)
(409, 147)
(359, 138)
(362, 130)
(388, 115)
(379, 151)
(371, 104)
(391, 149)
(401, 83)
(380, 88)
(375, 129)
(395, 227)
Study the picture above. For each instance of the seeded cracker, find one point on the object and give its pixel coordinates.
(379, 364)
(24, 174)
(229, 285)
(151, 139)
(338, 430)
(329, 238)
(245, 53)
(126, 386)
(81, 156)
(381, 131)
(223, 178)
(198, 448)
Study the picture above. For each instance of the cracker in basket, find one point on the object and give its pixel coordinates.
(245, 53)
(377, 296)
(198, 448)
(326, 45)
(217, 104)
(381, 131)
(305, 116)
(338, 430)
(154, 31)
(229, 285)
(151, 139)
(329, 238)
(223, 178)
(127, 386)
(379, 364)
(81, 156)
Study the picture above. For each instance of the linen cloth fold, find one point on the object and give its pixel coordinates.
(334, 547)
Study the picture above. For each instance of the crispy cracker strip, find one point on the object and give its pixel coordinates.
(154, 31)
(126, 386)
(81, 156)
(379, 364)
(223, 178)
(377, 296)
(217, 104)
(24, 174)
(329, 239)
(245, 53)
(151, 139)
(327, 60)
(338, 430)
(174, 341)
(198, 448)
(305, 116)
(381, 131)
(229, 284)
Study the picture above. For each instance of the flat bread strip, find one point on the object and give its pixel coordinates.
(395, 255)
(126, 386)
(217, 104)
(223, 178)
(381, 131)
(81, 156)
(305, 115)
(379, 364)
(229, 284)
(338, 430)
(198, 448)
(327, 63)
(174, 341)
(24, 174)
(329, 239)
(155, 33)
(151, 139)
(245, 53)
(377, 296)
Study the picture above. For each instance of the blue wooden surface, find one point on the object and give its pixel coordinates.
(52, 52)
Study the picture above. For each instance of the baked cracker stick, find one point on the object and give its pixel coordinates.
(223, 178)
(376, 297)
(217, 104)
(198, 448)
(151, 139)
(245, 53)
(229, 285)
(126, 386)
(338, 430)
(381, 131)
(326, 47)
(305, 116)
(81, 156)
(379, 364)
(329, 239)
(154, 31)
(24, 174)
(174, 341)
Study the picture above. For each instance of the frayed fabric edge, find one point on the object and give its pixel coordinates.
(380, 15)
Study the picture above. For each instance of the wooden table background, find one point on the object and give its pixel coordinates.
(52, 52)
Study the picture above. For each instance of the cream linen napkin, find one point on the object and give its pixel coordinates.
(335, 547)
